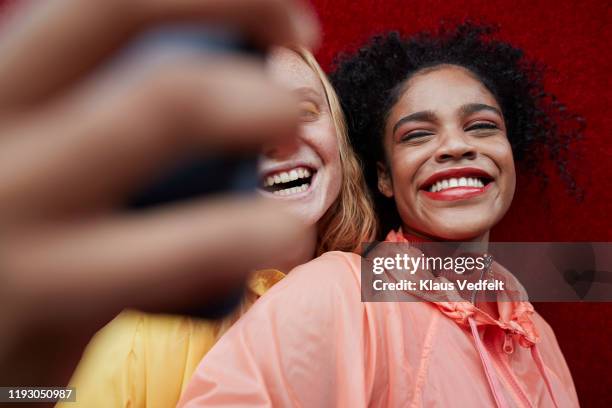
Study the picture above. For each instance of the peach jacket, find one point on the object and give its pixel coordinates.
(311, 342)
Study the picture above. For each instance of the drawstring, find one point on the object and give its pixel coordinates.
(500, 400)
(535, 353)
(489, 371)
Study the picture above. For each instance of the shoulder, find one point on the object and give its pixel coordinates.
(132, 330)
(137, 351)
(102, 370)
(117, 337)
(334, 266)
(545, 330)
(548, 341)
(551, 352)
(329, 273)
(311, 294)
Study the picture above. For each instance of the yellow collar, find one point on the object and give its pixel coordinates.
(264, 279)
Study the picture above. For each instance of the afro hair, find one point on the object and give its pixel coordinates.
(368, 83)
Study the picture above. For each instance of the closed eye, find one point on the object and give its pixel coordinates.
(309, 111)
(415, 135)
(482, 126)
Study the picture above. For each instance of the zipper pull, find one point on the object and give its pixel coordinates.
(508, 346)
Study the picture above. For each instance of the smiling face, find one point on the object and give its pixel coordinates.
(308, 174)
(449, 164)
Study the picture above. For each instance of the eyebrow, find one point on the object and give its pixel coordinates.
(477, 107)
(422, 116)
(305, 91)
(430, 116)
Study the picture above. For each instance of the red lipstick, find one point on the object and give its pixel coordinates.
(456, 184)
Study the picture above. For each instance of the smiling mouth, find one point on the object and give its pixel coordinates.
(454, 182)
(288, 182)
(457, 184)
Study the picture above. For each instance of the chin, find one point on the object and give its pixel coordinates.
(458, 223)
(459, 228)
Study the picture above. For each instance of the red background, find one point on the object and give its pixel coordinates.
(573, 40)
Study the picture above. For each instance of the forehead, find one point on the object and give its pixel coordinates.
(288, 69)
(443, 89)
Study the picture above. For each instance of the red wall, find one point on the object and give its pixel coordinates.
(573, 39)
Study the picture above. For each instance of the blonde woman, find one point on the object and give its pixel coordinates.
(146, 360)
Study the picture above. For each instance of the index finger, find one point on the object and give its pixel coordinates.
(78, 34)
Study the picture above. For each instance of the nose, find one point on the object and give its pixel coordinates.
(455, 146)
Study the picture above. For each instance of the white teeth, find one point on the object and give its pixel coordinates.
(292, 190)
(474, 182)
(456, 182)
(287, 176)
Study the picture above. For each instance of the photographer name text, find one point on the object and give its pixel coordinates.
(433, 285)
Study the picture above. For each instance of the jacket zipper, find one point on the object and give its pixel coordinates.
(508, 374)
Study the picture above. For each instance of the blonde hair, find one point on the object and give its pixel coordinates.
(350, 220)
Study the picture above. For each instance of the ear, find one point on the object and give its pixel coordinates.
(385, 185)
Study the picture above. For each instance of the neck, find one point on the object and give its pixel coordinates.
(483, 239)
(479, 244)
(439, 247)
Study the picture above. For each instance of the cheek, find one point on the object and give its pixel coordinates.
(334, 169)
(502, 155)
(323, 139)
(326, 143)
(511, 175)
(321, 136)
(405, 165)
(502, 151)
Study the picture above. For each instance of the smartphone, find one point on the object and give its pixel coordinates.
(202, 175)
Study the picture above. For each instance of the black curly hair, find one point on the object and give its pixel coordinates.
(368, 83)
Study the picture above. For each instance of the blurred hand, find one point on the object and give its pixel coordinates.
(74, 145)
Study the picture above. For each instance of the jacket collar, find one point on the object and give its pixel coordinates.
(515, 316)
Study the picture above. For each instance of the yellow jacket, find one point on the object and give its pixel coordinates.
(146, 360)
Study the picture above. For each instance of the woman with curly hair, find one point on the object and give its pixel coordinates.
(439, 120)
(371, 84)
